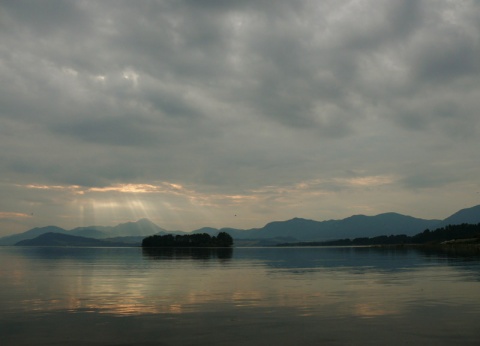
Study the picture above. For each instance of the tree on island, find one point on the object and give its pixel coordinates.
(223, 239)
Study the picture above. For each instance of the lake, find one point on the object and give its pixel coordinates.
(241, 296)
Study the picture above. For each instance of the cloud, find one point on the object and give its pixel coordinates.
(231, 97)
(13, 215)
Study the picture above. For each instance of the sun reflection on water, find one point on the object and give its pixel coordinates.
(129, 282)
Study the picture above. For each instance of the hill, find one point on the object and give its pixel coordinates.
(142, 227)
(467, 215)
(90, 232)
(450, 235)
(30, 234)
(354, 226)
(61, 239)
(138, 229)
(351, 227)
(296, 229)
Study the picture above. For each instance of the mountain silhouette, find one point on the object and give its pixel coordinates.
(142, 227)
(467, 215)
(61, 239)
(296, 229)
(351, 227)
(30, 234)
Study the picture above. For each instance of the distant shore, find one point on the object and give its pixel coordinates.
(459, 248)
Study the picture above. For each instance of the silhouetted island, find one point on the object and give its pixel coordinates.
(223, 239)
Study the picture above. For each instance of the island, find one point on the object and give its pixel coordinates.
(223, 239)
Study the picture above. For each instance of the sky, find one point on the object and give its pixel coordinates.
(221, 113)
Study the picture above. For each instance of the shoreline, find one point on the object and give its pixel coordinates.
(456, 249)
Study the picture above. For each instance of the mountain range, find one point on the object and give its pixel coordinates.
(296, 229)
(132, 232)
(61, 239)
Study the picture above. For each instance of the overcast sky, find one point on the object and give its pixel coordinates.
(236, 113)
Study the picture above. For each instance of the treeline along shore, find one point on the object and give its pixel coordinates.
(449, 235)
(223, 239)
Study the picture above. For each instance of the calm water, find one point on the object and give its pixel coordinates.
(246, 296)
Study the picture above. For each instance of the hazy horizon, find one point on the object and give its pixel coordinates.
(236, 113)
(225, 227)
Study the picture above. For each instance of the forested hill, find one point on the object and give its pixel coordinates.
(293, 230)
(464, 233)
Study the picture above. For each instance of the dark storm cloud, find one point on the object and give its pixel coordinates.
(114, 131)
(428, 180)
(230, 97)
(42, 18)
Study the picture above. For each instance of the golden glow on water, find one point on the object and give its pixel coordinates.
(248, 298)
(106, 288)
(258, 284)
(373, 310)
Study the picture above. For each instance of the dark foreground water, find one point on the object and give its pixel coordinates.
(245, 296)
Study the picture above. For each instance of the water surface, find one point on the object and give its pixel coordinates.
(242, 296)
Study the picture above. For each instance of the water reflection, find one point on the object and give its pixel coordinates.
(253, 294)
(187, 253)
(352, 259)
(358, 260)
(458, 252)
(76, 254)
